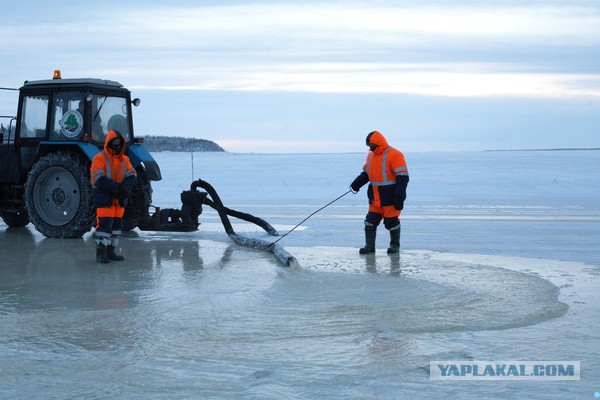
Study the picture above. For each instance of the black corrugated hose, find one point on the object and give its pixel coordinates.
(224, 212)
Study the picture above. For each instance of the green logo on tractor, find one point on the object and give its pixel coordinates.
(71, 124)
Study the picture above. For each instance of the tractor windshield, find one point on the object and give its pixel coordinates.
(67, 116)
(109, 113)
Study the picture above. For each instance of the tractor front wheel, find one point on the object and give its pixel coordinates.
(58, 196)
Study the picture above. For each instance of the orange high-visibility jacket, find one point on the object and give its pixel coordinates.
(108, 171)
(387, 171)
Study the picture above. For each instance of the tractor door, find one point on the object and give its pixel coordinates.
(32, 123)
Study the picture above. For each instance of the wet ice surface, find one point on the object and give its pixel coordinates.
(193, 316)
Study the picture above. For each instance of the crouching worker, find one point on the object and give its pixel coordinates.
(112, 177)
(387, 173)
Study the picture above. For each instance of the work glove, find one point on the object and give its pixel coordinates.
(398, 203)
(123, 202)
(122, 193)
(359, 182)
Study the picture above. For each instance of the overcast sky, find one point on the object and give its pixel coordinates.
(317, 76)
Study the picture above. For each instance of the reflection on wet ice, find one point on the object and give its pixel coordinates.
(393, 266)
(43, 273)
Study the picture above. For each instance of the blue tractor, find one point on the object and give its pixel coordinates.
(47, 148)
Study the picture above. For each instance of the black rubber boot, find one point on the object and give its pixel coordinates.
(370, 235)
(394, 242)
(111, 255)
(101, 254)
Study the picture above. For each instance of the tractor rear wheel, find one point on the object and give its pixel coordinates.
(15, 220)
(58, 195)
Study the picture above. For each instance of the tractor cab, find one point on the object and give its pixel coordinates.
(61, 111)
(61, 124)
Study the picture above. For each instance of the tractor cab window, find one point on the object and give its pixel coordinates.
(109, 113)
(33, 116)
(67, 116)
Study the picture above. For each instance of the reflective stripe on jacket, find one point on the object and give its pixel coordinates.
(383, 166)
(108, 171)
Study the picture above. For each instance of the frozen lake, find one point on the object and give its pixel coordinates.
(500, 261)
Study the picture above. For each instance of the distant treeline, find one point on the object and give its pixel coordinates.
(178, 143)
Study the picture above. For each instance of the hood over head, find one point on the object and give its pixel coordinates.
(110, 136)
(377, 138)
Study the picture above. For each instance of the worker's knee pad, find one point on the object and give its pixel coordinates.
(372, 219)
(117, 226)
(391, 223)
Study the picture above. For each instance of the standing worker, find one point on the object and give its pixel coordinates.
(387, 173)
(112, 177)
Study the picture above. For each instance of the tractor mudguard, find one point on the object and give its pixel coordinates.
(87, 148)
(139, 154)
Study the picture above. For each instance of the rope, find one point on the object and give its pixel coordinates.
(305, 219)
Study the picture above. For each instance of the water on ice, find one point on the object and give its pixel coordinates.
(495, 265)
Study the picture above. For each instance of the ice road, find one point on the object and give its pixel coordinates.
(497, 263)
